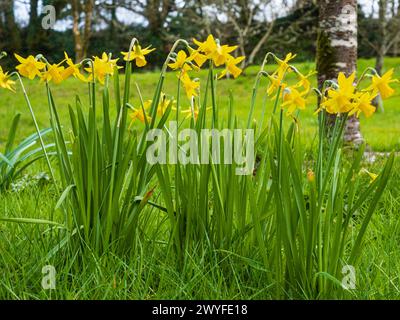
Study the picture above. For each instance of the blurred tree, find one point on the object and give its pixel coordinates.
(82, 10)
(337, 51)
(10, 40)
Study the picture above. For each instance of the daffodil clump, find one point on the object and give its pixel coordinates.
(347, 97)
(294, 97)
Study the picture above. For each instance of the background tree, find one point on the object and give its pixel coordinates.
(337, 50)
(82, 10)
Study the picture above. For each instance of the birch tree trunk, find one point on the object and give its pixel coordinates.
(337, 50)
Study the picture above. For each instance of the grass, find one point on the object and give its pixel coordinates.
(153, 274)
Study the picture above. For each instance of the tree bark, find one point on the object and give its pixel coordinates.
(381, 36)
(337, 50)
(82, 40)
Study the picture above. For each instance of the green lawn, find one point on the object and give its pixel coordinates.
(381, 131)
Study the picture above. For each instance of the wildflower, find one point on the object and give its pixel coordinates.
(193, 111)
(363, 104)
(381, 84)
(207, 47)
(190, 86)
(304, 81)
(214, 51)
(102, 67)
(140, 115)
(340, 100)
(29, 67)
(72, 69)
(293, 99)
(283, 65)
(162, 105)
(5, 81)
(310, 175)
(373, 176)
(197, 57)
(232, 68)
(275, 83)
(53, 73)
(181, 62)
(138, 54)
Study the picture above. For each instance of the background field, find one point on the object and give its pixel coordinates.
(382, 132)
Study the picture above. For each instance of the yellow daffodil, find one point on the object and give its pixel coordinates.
(214, 51)
(222, 54)
(283, 65)
(373, 176)
(139, 114)
(72, 69)
(181, 62)
(363, 104)
(197, 57)
(193, 112)
(102, 67)
(29, 67)
(191, 87)
(340, 100)
(275, 83)
(381, 84)
(53, 73)
(232, 68)
(138, 54)
(293, 100)
(5, 81)
(162, 105)
(207, 47)
(304, 80)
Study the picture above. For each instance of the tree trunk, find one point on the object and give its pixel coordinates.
(13, 41)
(33, 25)
(337, 50)
(81, 40)
(381, 36)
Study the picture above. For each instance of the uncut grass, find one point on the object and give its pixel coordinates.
(153, 275)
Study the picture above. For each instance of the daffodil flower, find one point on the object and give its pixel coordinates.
(139, 114)
(293, 100)
(138, 54)
(181, 62)
(162, 105)
(363, 104)
(232, 68)
(373, 176)
(102, 67)
(304, 80)
(29, 67)
(197, 57)
(54, 72)
(283, 65)
(381, 84)
(340, 100)
(72, 70)
(214, 51)
(193, 112)
(5, 81)
(191, 87)
(275, 83)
